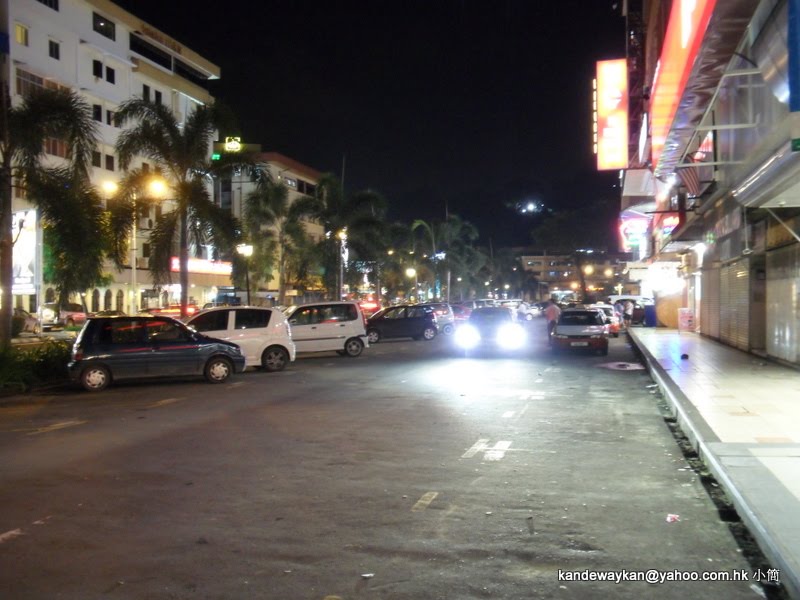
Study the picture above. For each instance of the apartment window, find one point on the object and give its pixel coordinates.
(49, 3)
(158, 97)
(97, 68)
(111, 75)
(97, 159)
(97, 112)
(54, 49)
(109, 162)
(145, 92)
(21, 34)
(145, 250)
(110, 114)
(104, 26)
(145, 167)
(56, 147)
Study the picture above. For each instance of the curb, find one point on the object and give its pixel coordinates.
(701, 436)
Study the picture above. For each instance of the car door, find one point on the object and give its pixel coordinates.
(121, 345)
(417, 319)
(173, 350)
(251, 330)
(306, 333)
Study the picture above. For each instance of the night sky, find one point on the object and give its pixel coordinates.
(444, 104)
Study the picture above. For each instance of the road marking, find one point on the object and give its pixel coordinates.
(56, 426)
(524, 410)
(10, 535)
(424, 501)
(164, 402)
(498, 452)
(508, 414)
(476, 447)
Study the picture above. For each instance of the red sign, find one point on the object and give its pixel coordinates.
(687, 25)
(611, 114)
(633, 233)
(199, 265)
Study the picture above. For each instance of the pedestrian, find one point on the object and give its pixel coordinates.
(551, 313)
(627, 313)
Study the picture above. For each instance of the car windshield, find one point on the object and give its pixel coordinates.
(489, 315)
(580, 318)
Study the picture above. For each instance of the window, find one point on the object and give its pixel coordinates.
(97, 159)
(216, 320)
(49, 3)
(109, 162)
(97, 68)
(56, 147)
(149, 51)
(21, 34)
(110, 114)
(145, 250)
(252, 319)
(166, 331)
(158, 97)
(104, 26)
(111, 75)
(97, 112)
(145, 92)
(54, 50)
(145, 167)
(27, 82)
(121, 332)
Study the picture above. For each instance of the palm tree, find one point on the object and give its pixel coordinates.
(43, 114)
(182, 152)
(274, 225)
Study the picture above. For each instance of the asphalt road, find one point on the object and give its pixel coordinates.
(409, 472)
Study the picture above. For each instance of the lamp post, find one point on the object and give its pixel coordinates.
(342, 235)
(412, 272)
(246, 250)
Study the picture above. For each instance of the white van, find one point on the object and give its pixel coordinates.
(263, 334)
(326, 326)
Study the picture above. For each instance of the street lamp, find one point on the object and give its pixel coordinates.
(246, 250)
(342, 235)
(412, 272)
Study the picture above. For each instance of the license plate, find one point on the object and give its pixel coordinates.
(579, 343)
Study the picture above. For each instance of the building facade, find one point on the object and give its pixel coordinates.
(714, 164)
(107, 55)
(604, 274)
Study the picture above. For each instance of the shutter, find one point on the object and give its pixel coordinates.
(709, 303)
(739, 290)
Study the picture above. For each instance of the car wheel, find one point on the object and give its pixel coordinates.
(374, 336)
(274, 359)
(428, 333)
(448, 329)
(95, 378)
(529, 317)
(353, 347)
(37, 329)
(218, 370)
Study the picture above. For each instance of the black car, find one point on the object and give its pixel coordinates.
(414, 321)
(491, 327)
(135, 347)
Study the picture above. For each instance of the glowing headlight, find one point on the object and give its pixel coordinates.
(511, 337)
(467, 337)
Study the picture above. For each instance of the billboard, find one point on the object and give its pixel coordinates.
(611, 114)
(23, 227)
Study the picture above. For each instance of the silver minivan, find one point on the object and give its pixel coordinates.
(326, 326)
(263, 334)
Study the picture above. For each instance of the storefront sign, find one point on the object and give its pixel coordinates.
(633, 233)
(669, 223)
(23, 227)
(611, 114)
(200, 265)
(687, 25)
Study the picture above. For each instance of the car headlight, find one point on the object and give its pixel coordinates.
(467, 337)
(511, 337)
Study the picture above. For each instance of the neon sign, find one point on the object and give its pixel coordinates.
(200, 265)
(633, 233)
(668, 224)
(611, 114)
(233, 144)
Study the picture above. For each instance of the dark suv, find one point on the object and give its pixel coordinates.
(136, 347)
(415, 321)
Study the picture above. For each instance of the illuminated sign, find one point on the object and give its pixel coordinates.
(633, 233)
(611, 114)
(233, 144)
(200, 265)
(23, 227)
(687, 25)
(669, 223)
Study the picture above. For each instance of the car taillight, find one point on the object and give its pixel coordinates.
(77, 353)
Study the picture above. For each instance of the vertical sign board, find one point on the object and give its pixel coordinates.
(794, 73)
(612, 114)
(23, 226)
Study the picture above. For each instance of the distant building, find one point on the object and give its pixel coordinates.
(108, 55)
(604, 274)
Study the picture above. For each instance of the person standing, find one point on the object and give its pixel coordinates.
(551, 313)
(627, 313)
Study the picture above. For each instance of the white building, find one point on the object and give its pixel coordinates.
(108, 55)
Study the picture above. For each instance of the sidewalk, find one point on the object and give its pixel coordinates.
(742, 414)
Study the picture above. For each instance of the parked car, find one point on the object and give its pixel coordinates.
(491, 327)
(445, 318)
(369, 306)
(30, 324)
(326, 326)
(108, 313)
(414, 321)
(111, 349)
(264, 334)
(580, 329)
(69, 315)
(611, 317)
(173, 310)
(478, 303)
(460, 313)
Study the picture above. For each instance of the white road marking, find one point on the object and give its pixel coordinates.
(476, 447)
(498, 451)
(524, 410)
(10, 535)
(56, 426)
(164, 402)
(508, 414)
(424, 501)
